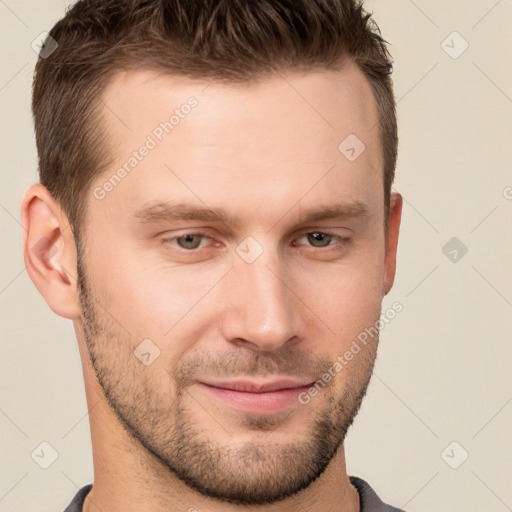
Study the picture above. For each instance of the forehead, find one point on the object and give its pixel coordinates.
(335, 101)
(212, 141)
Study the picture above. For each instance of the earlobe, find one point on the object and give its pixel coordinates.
(49, 251)
(394, 218)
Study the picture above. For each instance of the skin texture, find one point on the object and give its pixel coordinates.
(266, 156)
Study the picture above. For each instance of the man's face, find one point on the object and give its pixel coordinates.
(267, 291)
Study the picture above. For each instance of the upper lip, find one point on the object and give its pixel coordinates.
(258, 387)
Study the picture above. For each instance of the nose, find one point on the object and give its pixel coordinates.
(262, 309)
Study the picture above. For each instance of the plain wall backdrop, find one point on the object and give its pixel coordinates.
(442, 388)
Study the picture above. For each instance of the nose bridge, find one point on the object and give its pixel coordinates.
(262, 309)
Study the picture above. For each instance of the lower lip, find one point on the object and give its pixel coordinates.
(265, 402)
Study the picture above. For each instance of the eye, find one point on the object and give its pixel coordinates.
(322, 239)
(188, 241)
(316, 239)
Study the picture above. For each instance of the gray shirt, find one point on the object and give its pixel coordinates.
(368, 499)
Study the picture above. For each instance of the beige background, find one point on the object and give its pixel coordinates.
(443, 371)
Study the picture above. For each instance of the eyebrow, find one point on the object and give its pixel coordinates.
(165, 211)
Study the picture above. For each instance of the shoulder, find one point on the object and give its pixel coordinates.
(78, 501)
(370, 501)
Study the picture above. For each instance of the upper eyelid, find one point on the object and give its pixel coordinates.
(302, 232)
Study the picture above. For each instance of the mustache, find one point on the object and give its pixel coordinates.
(289, 362)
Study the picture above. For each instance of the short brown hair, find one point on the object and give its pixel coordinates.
(230, 40)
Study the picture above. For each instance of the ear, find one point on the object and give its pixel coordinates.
(49, 251)
(394, 217)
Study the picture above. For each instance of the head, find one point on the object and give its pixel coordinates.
(225, 169)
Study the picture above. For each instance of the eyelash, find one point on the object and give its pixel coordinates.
(340, 238)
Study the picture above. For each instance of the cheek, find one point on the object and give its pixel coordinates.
(346, 298)
(155, 299)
